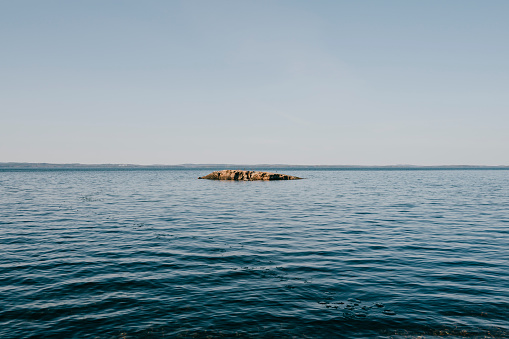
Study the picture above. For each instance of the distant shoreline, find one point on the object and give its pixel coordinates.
(77, 166)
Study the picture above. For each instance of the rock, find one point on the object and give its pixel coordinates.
(247, 175)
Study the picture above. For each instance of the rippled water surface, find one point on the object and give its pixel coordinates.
(151, 254)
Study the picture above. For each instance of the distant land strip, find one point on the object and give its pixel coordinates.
(29, 165)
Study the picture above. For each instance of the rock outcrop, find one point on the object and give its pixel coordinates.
(247, 175)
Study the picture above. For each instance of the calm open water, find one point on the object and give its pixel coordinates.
(344, 253)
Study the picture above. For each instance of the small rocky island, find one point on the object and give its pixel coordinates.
(246, 175)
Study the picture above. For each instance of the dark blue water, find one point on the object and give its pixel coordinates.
(353, 254)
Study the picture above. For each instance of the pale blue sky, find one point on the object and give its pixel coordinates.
(296, 82)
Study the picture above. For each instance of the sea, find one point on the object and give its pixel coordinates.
(343, 253)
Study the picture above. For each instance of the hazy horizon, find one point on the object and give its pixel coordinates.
(234, 165)
(338, 83)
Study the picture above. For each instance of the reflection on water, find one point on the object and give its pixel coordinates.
(130, 254)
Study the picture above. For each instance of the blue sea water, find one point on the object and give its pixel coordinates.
(341, 254)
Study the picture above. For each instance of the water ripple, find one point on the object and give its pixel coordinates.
(147, 254)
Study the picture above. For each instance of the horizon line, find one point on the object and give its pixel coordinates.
(12, 164)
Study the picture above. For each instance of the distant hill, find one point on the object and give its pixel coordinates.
(28, 166)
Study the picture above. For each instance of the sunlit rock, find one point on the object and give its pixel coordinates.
(246, 175)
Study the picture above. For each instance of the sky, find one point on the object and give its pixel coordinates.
(255, 82)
